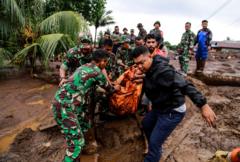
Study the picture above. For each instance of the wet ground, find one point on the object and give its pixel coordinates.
(25, 102)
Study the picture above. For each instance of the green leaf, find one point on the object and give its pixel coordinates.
(13, 11)
(34, 50)
(66, 22)
(11, 17)
(50, 42)
(4, 55)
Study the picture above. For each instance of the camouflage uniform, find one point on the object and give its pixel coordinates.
(74, 59)
(112, 67)
(158, 35)
(70, 107)
(123, 55)
(187, 43)
(142, 33)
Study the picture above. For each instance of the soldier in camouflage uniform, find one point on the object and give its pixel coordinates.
(71, 99)
(123, 56)
(142, 32)
(112, 67)
(76, 57)
(185, 47)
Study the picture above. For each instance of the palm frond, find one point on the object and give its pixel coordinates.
(49, 43)
(4, 55)
(34, 50)
(66, 22)
(5, 29)
(108, 12)
(13, 11)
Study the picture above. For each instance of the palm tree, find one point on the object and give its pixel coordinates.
(41, 39)
(102, 19)
(61, 28)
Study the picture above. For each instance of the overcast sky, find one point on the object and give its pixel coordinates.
(223, 16)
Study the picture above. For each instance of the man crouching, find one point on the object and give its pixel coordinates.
(70, 103)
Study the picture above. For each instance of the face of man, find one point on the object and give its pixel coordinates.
(139, 42)
(151, 44)
(108, 48)
(125, 31)
(86, 49)
(187, 26)
(125, 45)
(204, 25)
(116, 29)
(156, 26)
(106, 36)
(140, 28)
(102, 64)
(143, 62)
(132, 32)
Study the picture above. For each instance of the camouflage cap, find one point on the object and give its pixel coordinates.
(124, 39)
(85, 38)
(115, 37)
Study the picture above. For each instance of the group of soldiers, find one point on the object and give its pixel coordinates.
(86, 67)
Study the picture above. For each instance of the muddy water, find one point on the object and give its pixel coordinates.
(23, 102)
(26, 102)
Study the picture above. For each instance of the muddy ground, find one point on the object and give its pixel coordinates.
(25, 102)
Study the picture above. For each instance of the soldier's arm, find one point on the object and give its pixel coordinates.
(119, 59)
(64, 68)
(102, 82)
(192, 39)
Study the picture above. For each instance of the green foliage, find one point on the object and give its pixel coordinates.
(33, 11)
(43, 50)
(50, 42)
(101, 17)
(169, 46)
(11, 17)
(32, 51)
(4, 55)
(81, 6)
(28, 16)
(67, 22)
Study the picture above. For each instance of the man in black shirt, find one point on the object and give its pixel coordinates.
(166, 89)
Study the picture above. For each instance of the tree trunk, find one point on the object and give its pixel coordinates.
(95, 37)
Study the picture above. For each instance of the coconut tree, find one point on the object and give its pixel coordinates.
(61, 28)
(101, 17)
(38, 38)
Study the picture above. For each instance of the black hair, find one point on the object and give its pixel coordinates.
(150, 36)
(139, 38)
(100, 55)
(86, 41)
(188, 23)
(107, 32)
(204, 21)
(108, 42)
(141, 50)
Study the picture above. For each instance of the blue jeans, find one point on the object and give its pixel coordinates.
(158, 127)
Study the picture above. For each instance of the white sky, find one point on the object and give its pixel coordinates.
(174, 13)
